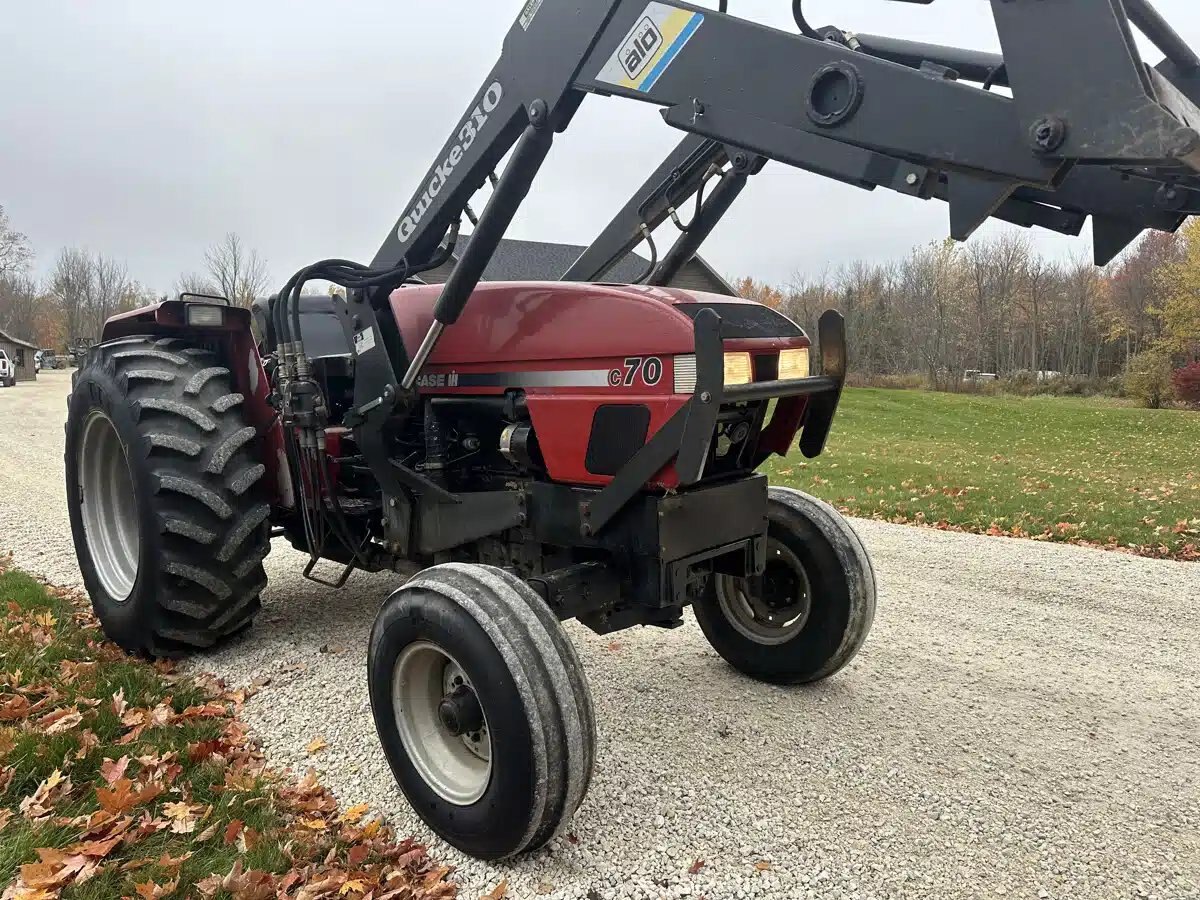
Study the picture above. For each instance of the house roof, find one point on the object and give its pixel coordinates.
(516, 260)
(8, 338)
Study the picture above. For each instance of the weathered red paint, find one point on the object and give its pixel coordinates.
(556, 322)
(564, 327)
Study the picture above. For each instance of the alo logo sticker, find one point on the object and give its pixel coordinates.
(651, 46)
(640, 48)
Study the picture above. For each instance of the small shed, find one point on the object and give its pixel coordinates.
(21, 353)
(537, 261)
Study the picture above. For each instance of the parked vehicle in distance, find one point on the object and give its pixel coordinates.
(77, 352)
(974, 376)
(49, 359)
(8, 371)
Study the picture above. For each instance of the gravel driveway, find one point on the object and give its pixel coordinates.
(1024, 722)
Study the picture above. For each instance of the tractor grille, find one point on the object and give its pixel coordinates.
(685, 374)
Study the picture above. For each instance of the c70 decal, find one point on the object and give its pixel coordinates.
(647, 369)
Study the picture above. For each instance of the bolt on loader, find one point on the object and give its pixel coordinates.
(539, 452)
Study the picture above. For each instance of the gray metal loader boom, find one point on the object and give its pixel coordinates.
(1089, 129)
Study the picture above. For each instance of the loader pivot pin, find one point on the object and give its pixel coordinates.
(835, 94)
(1049, 134)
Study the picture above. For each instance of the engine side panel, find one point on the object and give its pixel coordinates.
(594, 363)
(563, 423)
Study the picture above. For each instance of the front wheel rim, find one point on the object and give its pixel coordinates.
(109, 507)
(783, 610)
(457, 767)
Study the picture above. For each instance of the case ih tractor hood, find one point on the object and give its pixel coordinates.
(573, 350)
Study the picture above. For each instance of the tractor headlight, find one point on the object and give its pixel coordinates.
(738, 369)
(793, 364)
(203, 315)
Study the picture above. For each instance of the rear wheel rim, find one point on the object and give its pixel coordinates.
(110, 521)
(457, 767)
(782, 610)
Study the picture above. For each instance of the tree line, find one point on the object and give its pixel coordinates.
(83, 289)
(998, 306)
(989, 306)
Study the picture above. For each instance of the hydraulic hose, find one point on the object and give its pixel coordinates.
(306, 454)
(805, 29)
(808, 31)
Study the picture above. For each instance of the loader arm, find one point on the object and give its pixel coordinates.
(1090, 129)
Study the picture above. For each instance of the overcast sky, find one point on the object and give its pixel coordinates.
(146, 130)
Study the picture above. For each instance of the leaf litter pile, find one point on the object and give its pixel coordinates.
(119, 778)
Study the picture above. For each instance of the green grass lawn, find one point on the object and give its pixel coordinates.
(1063, 469)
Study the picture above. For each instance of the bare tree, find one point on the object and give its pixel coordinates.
(807, 297)
(1084, 288)
(933, 277)
(998, 306)
(135, 296)
(195, 283)
(15, 251)
(71, 284)
(89, 288)
(1040, 275)
(1137, 290)
(865, 293)
(112, 288)
(19, 301)
(238, 273)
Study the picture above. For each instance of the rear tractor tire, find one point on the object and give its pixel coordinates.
(812, 609)
(482, 709)
(169, 526)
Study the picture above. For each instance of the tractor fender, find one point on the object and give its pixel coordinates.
(235, 342)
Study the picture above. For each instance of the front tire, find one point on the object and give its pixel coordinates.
(811, 611)
(169, 526)
(482, 709)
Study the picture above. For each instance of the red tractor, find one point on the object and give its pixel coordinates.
(538, 452)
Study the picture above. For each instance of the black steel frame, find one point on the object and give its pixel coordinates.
(687, 436)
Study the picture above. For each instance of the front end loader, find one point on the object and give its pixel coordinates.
(545, 451)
